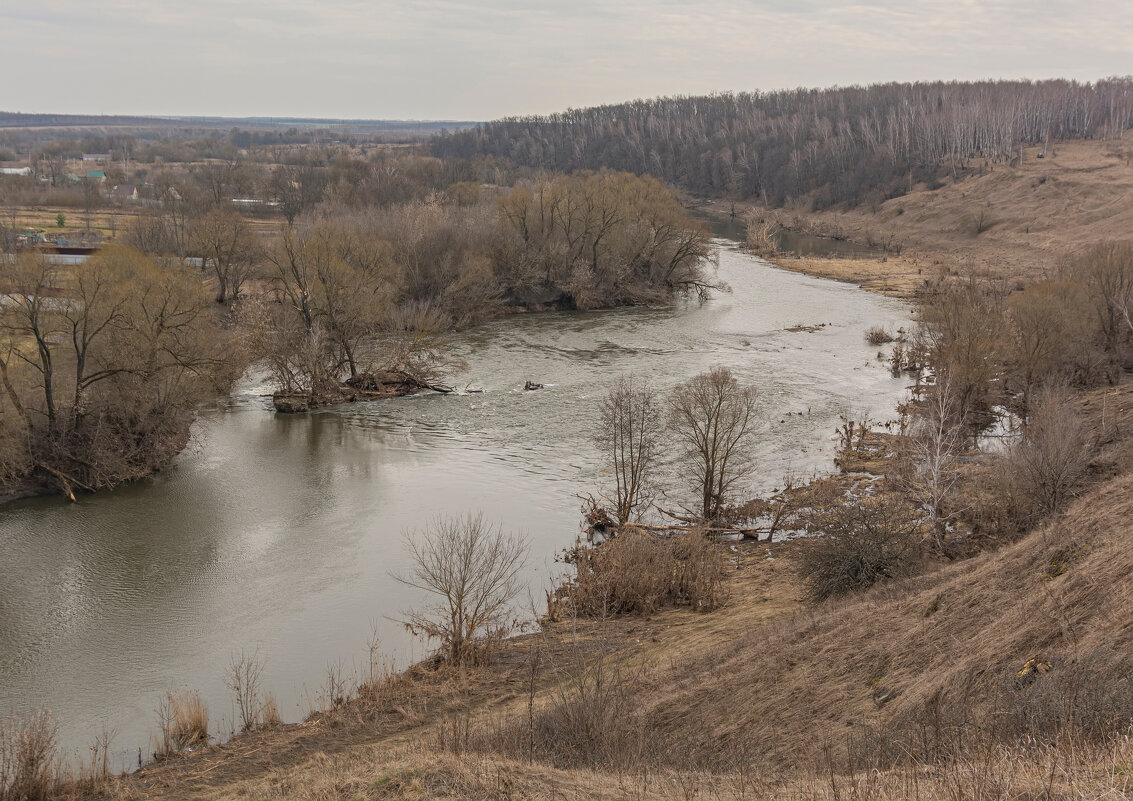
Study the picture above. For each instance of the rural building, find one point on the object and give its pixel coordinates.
(126, 192)
(15, 170)
(97, 175)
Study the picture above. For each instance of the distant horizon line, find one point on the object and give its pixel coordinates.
(282, 119)
(228, 118)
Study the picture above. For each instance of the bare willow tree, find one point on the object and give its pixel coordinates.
(470, 570)
(102, 365)
(629, 431)
(714, 417)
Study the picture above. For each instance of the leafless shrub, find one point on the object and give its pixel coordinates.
(962, 332)
(242, 677)
(981, 221)
(380, 675)
(861, 542)
(852, 431)
(1049, 463)
(455, 733)
(638, 573)
(28, 758)
(1053, 336)
(338, 688)
(471, 571)
(1106, 270)
(877, 335)
(183, 722)
(95, 773)
(588, 718)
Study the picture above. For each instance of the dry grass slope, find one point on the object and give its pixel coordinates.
(1012, 222)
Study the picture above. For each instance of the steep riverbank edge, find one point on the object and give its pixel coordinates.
(797, 682)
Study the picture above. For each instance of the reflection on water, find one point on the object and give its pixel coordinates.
(799, 244)
(792, 243)
(278, 534)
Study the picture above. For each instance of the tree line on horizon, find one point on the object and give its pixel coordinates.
(842, 145)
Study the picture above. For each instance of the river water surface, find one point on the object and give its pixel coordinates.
(278, 534)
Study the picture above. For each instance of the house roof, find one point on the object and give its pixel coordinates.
(96, 174)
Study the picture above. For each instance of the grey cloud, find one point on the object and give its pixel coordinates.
(463, 59)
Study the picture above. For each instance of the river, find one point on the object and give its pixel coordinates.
(277, 534)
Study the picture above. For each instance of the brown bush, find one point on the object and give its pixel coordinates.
(877, 335)
(587, 718)
(862, 542)
(1048, 465)
(638, 572)
(269, 713)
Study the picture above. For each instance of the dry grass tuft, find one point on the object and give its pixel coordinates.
(269, 713)
(183, 722)
(27, 758)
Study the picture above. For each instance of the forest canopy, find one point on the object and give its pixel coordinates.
(839, 145)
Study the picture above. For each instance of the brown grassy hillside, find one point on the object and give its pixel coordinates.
(1014, 222)
(764, 698)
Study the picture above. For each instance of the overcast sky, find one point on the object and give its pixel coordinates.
(452, 59)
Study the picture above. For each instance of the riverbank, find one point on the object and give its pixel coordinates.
(278, 532)
(767, 697)
(1011, 223)
(770, 696)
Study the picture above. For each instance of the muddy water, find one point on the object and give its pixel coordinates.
(794, 243)
(278, 534)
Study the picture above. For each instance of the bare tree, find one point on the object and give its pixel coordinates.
(714, 417)
(1050, 461)
(629, 430)
(471, 571)
(937, 443)
(229, 247)
(1107, 271)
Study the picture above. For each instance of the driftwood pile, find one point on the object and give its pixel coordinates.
(362, 387)
(601, 526)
